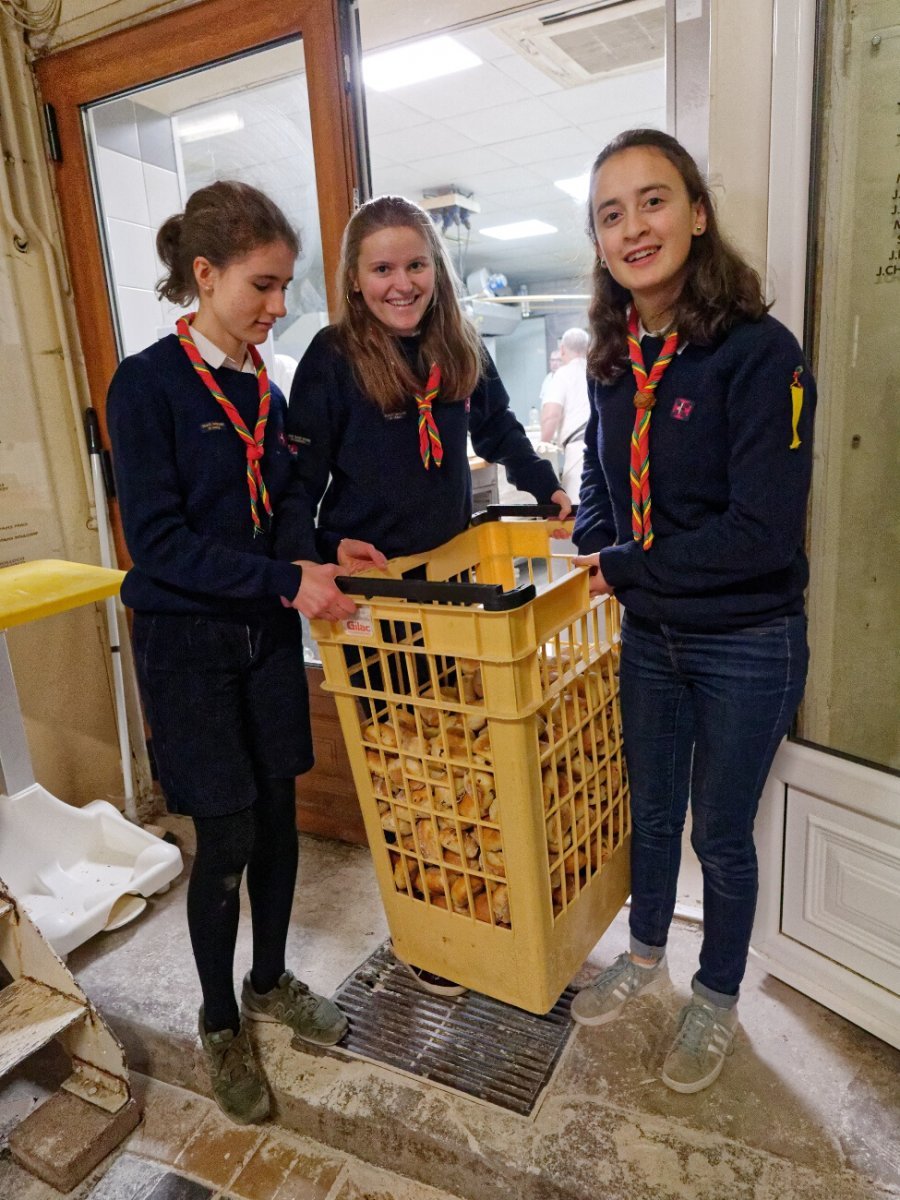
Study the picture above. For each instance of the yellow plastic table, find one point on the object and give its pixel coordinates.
(29, 591)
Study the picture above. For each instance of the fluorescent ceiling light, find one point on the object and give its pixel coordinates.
(518, 229)
(416, 62)
(195, 129)
(577, 187)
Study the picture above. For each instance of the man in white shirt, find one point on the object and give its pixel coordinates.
(566, 408)
(554, 365)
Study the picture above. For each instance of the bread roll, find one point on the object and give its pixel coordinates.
(459, 892)
(433, 879)
(400, 875)
(427, 840)
(471, 808)
(375, 764)
(398, 821)
(559, 833)
(494, 862)
(491, 840)
(481, 745)
(500, 903)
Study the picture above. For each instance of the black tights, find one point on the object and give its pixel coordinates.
(262, 839)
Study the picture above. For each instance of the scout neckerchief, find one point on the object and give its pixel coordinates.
(253, 442)
(644, 399)
(429, 438)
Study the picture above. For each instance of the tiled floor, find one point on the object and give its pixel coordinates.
(185, 1149)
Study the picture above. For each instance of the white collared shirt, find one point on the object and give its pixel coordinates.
(217, 358)
(644, 332)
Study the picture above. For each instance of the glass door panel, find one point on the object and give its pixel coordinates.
(851, 701)
(246, 119)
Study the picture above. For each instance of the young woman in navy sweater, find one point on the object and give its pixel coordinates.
(203, 472)
(385, 473)
(711, 574)
(384, 400)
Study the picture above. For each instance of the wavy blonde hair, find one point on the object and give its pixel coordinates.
(447, 337)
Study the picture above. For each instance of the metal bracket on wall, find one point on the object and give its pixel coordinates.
(53, 143)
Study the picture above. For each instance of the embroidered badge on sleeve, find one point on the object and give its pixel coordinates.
(796, 406)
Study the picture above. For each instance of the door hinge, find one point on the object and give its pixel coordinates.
(53, 144)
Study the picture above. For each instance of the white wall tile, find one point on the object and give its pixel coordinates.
(122, 190)
(133, 256)
(139, 317)
(163, 194)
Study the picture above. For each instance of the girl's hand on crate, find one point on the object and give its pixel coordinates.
(353, 556)
(565, 511)
(597, 584)
(319, 596)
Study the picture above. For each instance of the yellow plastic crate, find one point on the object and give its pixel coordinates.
(486, 750)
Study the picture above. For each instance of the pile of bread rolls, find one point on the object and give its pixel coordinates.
(433, 778)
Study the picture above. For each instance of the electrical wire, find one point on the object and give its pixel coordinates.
(44, 20)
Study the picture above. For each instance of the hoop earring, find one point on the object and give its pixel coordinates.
(602, 264)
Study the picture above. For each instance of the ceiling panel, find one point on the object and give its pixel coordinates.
(567, 140)
(459, 168)
(467, 91)
(508, 179)
(387, 114)
(506, 122)
(517, 68)
(419, 142)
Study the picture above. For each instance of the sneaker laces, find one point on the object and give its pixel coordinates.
(622, 966)
(696, 1029)
(299, 994)
(235, 1059)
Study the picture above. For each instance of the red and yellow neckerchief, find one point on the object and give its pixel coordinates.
(253, 442)
(429, 439)
(644, 399)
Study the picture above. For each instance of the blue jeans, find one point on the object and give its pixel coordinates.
(702, 716)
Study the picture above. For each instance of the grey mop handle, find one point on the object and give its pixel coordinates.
(101, 492)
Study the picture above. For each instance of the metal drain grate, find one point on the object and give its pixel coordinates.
(471, 1043)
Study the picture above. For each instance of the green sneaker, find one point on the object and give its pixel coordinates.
(237, 1082)
(604, 999)
(705, 1036)
(311, 1018)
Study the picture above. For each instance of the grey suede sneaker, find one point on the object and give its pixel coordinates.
(310, 1017)
(237, 1082)
(705, 1036)
(604, 999)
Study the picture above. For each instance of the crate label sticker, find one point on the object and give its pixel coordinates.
(360, 624)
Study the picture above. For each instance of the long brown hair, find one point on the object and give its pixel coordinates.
(447, 336)
(221, 222)
(720, 288)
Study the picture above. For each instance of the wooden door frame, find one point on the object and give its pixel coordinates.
(164, 46)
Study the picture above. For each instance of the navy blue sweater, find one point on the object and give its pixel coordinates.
(379, 490)
(729, 495)
(181, 479)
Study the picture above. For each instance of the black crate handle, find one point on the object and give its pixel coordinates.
(490, 595)
(495, 512)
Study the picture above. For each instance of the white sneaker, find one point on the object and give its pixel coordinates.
(604, 999)
(705, 1036)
